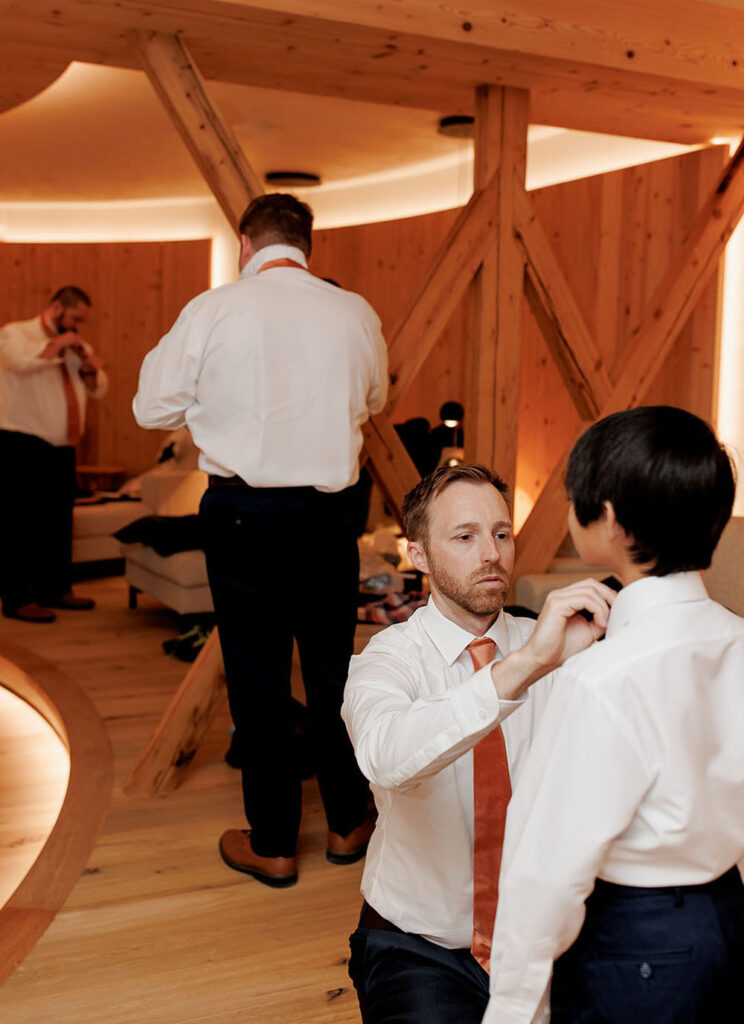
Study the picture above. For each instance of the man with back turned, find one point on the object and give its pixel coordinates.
(274, 376)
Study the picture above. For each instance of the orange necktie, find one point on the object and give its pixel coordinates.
(74, 426)
(491, 794)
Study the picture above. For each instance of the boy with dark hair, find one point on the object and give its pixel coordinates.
(624, 833)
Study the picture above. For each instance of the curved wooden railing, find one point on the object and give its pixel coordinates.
(33, 905)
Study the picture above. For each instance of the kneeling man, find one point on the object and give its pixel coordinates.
(440, 717)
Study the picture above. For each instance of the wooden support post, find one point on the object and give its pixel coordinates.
(560, 320)
(207, 135)
(389, 462)
(496, 293)
(183, 725)
(650, 341)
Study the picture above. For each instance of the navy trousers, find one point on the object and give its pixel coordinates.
(655, 956)
(404, 979)
(35, 519)
(283, 564)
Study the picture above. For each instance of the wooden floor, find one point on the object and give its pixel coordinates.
(158, 930)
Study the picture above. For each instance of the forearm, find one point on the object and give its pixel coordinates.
(399, 742)
(167, 382)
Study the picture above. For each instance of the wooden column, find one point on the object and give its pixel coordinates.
(501, 117)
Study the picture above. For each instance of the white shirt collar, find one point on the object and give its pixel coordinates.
(451, 639)
(652, 592)
(272, 252)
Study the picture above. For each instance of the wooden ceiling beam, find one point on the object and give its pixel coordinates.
(561, 322)
(251, 45)
(649, 343)
(689, 41)
(209, 139)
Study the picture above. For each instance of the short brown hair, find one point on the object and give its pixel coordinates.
(71, 296)
(415, 506)
(278, 219)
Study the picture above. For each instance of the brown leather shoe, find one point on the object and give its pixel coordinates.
(237, 853)
(31, 612)
(71, 603)
(351, 848)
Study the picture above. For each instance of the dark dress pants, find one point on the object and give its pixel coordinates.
(35, 519)
(283, 563)
(655, 956)
(404, 979)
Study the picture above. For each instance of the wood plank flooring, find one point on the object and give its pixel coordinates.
(158, 930)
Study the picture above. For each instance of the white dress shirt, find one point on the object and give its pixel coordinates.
(636, 776)
(274, 376)
(415, 708)
(32, 390)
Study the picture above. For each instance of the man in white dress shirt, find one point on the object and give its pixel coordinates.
(415, 709)
(274, 375)
(627, 823)
(47, 372)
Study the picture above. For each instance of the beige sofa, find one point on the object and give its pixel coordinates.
(724, 579)
(178, 581)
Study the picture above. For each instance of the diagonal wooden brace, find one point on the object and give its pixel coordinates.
(651, 340)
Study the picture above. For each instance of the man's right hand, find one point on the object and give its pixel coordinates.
(57, 345)
(560, 632)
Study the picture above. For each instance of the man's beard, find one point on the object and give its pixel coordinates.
(485, 603)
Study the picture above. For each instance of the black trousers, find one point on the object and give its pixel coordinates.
(283, 563)
(35, 519)
(655, 956)
(405, 979)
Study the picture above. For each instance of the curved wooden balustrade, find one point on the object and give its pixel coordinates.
(33, 905)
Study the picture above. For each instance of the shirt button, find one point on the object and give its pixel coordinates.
(646, 970)
(483, 716)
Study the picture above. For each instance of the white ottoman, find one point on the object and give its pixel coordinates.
(178, 581)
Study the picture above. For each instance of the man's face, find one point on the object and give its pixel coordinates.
(70, 318)
(469, 553)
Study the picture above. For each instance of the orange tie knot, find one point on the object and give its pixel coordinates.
(482, 651)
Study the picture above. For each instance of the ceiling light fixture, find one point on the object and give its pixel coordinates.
(292, 179)
(456, 126)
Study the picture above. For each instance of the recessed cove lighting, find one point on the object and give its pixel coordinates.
(292, 179)
(457, 126)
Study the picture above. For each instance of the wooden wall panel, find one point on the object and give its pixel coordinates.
(137, 289)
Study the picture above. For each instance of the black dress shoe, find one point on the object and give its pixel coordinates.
(71, 603)
(30, 612)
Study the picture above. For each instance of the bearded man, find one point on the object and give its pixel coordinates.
(441, 720)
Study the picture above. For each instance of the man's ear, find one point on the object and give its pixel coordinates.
(417, 556)
(246, 250)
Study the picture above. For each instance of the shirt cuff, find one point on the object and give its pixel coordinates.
(485, 707)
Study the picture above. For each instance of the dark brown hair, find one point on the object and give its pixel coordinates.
(71, 296)
(277, 219)
(415, 506)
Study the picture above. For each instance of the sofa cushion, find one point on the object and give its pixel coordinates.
(186, 568)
